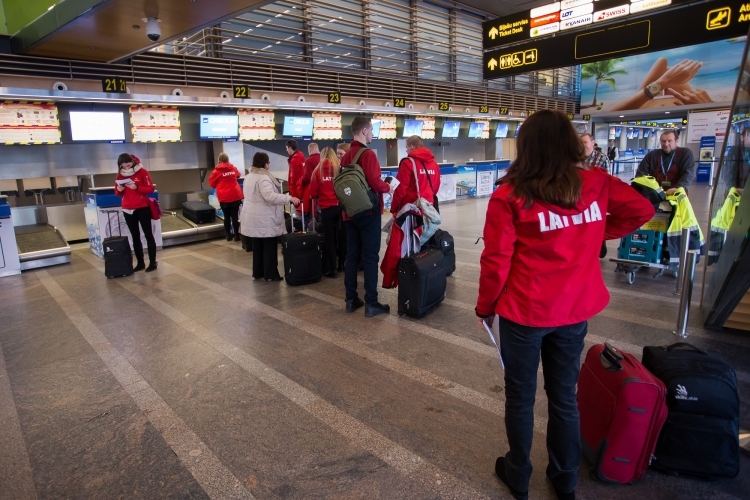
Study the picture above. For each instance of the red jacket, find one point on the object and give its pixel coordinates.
(371, 167)
(540, 265)
(136, 198)
(303, 185)
(296, 170)
(224, 178)
(406, 192)
(321, 186)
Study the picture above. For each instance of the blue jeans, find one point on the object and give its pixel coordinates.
(362, 238)
(560, 349)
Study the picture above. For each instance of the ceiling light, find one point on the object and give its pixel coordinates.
(622, 116)
(666, 112)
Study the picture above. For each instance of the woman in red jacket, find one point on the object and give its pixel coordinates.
(321, 187)
(133, 184)
(224, 178)
(540, 274)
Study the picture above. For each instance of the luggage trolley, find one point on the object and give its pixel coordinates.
(646, 247)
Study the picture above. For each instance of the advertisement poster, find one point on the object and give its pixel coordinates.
(466, 181)
(326, 126)
(428, 127)
(256, 125)
(387, 126)
(699, 74)
(709, 123)
(155, 124)
(485, 179)
(29, 123)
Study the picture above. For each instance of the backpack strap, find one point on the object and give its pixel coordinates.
(359, 153)
(416, 175)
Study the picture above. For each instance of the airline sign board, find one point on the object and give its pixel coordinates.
(706, 22)
(527, 24)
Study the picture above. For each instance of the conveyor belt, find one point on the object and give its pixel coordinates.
(175, 229)
(170, 223)
(41, 245)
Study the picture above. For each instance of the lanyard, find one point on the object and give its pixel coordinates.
(661, 159)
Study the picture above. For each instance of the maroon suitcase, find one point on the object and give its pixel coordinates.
(623, 408)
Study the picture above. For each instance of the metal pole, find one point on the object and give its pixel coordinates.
(683, 260)
(687, 292)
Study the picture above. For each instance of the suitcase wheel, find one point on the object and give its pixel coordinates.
(631, 277)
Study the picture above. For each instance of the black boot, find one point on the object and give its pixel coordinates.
(500, 471)
(376, 308)
(139, 267)
(353, 305)
(151, 267)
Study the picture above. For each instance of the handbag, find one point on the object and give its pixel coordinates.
(430, 217)
(155, 209)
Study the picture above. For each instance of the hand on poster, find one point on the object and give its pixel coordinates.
(690, 96)
(680, 73)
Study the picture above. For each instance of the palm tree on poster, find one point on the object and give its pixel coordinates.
(601, 71)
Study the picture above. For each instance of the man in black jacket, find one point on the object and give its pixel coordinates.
(670, 164)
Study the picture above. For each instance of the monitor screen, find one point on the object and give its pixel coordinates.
(450, 130)
(502, 130)
(475, 130)
(298, 126)
(375, 128)
(518, 129)
(618, 131)
(412, 127)
(97, 126)
(646, 133)
(630, 133)
(219, 126)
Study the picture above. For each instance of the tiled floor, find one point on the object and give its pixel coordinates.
(196, 381)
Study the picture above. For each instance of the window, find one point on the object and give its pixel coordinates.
(434, 43)
(391, 48)
(468, 48)
(338, 34)
(275, 31)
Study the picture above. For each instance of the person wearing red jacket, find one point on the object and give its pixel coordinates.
(304, 182)
(133, 184)
(427, 170)
(224, 178)
(363, 232)
(296, 162)
(540, 274)
(321, 187)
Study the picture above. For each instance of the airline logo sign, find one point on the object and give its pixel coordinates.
(607, 14)
(548, 19)
(579, 11)
(569, 4)
(545, 9)
(578, 21)
(636, 7)
(544, 30)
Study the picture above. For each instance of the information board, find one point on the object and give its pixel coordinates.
(428, 127)
(387, 126)
(155, 123)
(486, 129)
(257, 124)
(29, 123)
(707, 123)
(326, 126)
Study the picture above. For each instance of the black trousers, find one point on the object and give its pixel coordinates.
(141, 216)
(231, 217)
(335, 236)
(265, 258)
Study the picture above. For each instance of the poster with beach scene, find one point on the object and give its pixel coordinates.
(699, 74)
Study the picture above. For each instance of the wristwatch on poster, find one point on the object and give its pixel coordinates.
(652, 90)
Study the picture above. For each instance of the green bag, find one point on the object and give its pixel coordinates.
(352, 190)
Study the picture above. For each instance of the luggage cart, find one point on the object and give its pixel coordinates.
(645, 248)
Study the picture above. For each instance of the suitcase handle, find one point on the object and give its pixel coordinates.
(610, 358)
(685, 344)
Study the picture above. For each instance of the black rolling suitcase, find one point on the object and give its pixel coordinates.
(301, 257)
(421, 282)
(443, 241)
(118, 258)
(701, 435)
(198, 212)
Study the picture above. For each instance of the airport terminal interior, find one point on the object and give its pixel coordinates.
(198, 381)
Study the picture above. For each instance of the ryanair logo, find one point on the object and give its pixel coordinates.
(578, 21)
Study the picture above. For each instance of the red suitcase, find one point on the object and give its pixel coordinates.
(623, 408)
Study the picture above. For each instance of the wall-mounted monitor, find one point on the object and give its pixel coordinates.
(97, 126)
(475, 130)
(646, 133)
(412, 127)
(450, 130)
(502, 130)
(518, 129)
(219, 127)
(631, 133)
(618, 131)
(376, 128)
(298, 126)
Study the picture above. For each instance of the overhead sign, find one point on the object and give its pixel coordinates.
(707, 123)
(626, 37)
(556, 16)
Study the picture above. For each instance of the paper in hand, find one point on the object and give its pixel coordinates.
(496, 342)
(393, 182)
(122, 182)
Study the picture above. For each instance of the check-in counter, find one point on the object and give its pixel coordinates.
(447, 190)
(9, 261)
(487, 172)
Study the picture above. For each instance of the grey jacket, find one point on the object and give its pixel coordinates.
(263, 209)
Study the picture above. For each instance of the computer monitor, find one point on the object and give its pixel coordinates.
(518, 129)
(450, 130)
(475, 130)
(298, 126)
(647, 133)
(631, 133)
(376, 128)
(618, 131)
(502, 130)
(97, 126)
(219, 127)
(412, 127)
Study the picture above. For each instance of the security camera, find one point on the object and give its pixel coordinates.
(153, 30)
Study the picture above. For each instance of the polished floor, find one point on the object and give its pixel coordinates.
(197, 382)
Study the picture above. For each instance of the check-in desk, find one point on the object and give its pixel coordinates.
(10, 264)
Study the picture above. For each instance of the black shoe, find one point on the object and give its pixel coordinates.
(229, 237)
(151, 267)
(275, 279)
(375, 309)
(353, 305)
(565, 496)
(332, 274)
(140, 267)
(237, 237)
(500, 471)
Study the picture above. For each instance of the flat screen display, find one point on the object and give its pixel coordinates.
(220, 126)
(97, 126)
(375, 128)
(618, 131)
(475, 130)
(518, 129)
(631, 133)
(298, 126)
(502, 130)
(412, 127)
(450, 130)
(647, 133)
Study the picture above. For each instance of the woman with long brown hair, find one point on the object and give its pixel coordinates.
(321, 187)
(540, 274)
